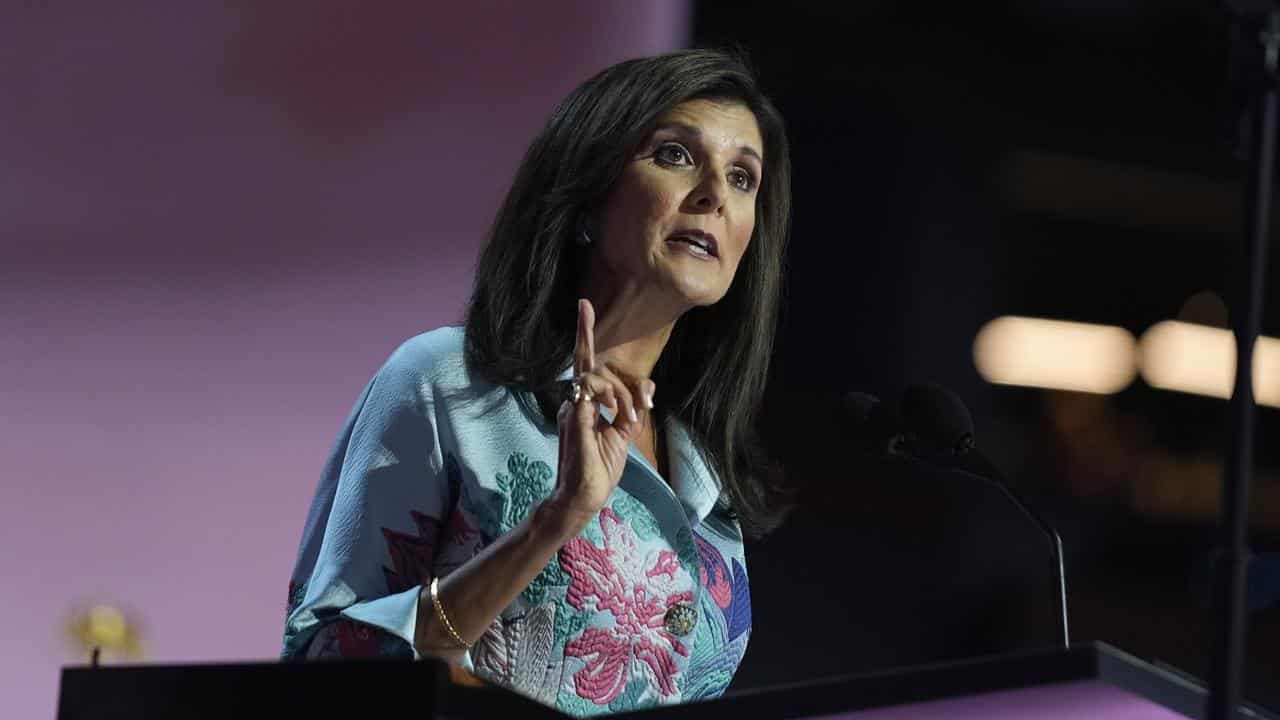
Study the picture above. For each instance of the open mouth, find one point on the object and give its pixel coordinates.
(698, 243)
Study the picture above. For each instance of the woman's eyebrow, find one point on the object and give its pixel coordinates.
(696, 133)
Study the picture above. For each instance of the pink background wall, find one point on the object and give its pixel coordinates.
(216, 220)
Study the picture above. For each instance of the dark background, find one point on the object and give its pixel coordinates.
(953, 163)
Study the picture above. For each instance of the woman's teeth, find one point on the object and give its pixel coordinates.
(693, 247)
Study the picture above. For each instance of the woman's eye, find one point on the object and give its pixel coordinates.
(673, 154)
(743, 180)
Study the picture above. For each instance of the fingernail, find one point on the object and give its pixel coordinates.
(648, 400)
(634, 416)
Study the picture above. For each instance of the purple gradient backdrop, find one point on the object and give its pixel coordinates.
(218, 219)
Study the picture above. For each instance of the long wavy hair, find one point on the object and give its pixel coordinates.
(522, 319)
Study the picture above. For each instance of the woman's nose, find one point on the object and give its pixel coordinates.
(710, 194)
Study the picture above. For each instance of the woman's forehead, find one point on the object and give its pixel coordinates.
(721, 122)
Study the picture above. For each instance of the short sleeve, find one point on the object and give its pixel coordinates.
(370, 538)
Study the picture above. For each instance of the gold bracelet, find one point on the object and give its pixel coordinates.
(435, 600)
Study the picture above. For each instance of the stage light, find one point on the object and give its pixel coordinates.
(1055, 354)
(1201, 360)
(106, 628)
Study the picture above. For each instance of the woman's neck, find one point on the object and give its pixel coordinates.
(634, 358)
(631, 331)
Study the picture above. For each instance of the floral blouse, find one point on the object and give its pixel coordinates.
(648, 605)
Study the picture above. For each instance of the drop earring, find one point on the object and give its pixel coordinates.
(583, 238)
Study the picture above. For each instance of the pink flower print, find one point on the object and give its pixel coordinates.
(458, 531)
(637, 589)
(460, 540)
(715, 574)
(727, 588)
(607, 657)
(411, 555)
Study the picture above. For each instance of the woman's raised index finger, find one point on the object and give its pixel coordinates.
(584, 348)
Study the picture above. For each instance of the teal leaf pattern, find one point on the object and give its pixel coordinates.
(646, 527)
(486, 506)
(687, 551)
(570, 623)
(497, 510)
(632, 510)
(592, 533)
(709, 635)
(569, 702)
(631, 695)
(711, 674)
(526, 485)
(552, 576)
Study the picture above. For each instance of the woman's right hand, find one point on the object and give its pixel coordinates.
(593, 451)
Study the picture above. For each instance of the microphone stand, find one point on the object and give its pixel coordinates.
(990, 476)
(938, 431)
(1228, 665)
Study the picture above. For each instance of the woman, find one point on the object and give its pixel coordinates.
(554, 497)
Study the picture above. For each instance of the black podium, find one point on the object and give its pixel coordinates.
(1088, 681)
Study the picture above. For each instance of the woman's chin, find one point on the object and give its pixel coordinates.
(693, 297)
(691, 286)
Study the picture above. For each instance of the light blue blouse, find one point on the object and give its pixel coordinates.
(648, 605)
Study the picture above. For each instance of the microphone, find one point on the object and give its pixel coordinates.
(877, 427)
(933, 426)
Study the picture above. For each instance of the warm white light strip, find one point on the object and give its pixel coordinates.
(1266, 371)
(1189, 358)
(1199, 359)
(1055, 354)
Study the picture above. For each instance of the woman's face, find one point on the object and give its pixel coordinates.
(680, 216)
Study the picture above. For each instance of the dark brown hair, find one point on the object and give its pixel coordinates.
(521, 322)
